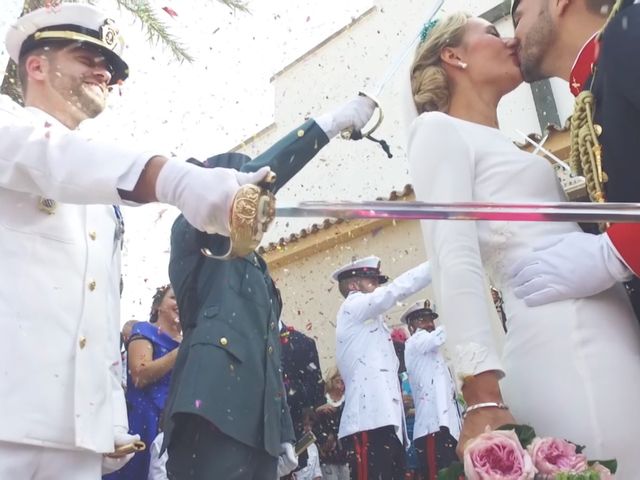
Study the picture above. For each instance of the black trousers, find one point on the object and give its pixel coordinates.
(375, 455)
(435, 452)
(199, 451)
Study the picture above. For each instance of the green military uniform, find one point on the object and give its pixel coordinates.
(226, 414)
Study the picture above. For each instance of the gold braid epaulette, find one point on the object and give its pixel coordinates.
(586, 151)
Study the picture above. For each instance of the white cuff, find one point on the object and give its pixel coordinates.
(472, 359)
(327, 123)
(616, 265)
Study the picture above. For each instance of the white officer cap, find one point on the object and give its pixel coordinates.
(422, 308)
(69, 22)
(364, 267)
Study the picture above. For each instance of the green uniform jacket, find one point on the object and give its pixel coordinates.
(228, 368)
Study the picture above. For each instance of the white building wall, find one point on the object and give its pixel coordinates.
(355, 60)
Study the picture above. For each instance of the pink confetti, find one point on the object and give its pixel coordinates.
(170, 11)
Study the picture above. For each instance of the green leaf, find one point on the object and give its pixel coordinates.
(525, 433)
(612, 465)
(455, 471)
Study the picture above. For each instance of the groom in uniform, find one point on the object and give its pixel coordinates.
(594, 45)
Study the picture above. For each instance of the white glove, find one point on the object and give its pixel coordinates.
(120, 437)
(287, 461)
(575, 265)
(353, 114)
(203, 195)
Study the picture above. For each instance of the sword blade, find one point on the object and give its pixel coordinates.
(400, 58)
(520, 212)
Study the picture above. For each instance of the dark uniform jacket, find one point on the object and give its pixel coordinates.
(228, 367)
(302, 375)
(302, 379)
(616, 87)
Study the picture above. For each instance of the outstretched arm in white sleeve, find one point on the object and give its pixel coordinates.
(426, 342)
(363, 306)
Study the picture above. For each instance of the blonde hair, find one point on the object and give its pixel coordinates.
(330, 380)
(429, 81)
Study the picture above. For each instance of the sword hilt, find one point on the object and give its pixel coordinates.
(353, 134)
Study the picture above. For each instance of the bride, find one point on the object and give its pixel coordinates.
(570, 369)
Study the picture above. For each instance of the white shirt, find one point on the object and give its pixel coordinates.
(432, 387)
(157, 462)
(60, 365)
(312, 470)
(366, 358)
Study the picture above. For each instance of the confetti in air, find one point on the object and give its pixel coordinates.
(170, 11)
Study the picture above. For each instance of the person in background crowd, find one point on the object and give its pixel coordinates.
(152, 352)
(302, 377)
(157, 460)
(437, 420)
(157, 457)
(399, 336)
(333, 456)
(372, 421)
(311, 471)
(125, 334)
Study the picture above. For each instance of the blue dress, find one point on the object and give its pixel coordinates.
(144, 405)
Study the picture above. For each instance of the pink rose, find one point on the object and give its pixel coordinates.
(552, 455)
(497, 455)
(605, 473)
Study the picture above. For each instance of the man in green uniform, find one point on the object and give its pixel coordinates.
(227, 416)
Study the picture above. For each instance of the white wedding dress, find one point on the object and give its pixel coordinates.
(571, 368)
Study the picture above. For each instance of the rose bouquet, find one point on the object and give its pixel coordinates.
(514, 452)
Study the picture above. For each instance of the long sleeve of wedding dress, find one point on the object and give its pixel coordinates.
(443, 170)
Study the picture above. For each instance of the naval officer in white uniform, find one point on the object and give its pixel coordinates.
(437, 423)
(372, 422)
(62, 406)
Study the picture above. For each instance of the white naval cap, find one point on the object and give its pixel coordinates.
(69, 22)
(421, 308)
(364, 267)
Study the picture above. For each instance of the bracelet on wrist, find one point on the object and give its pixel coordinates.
(478, 406)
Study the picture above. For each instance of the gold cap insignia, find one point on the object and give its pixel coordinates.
(110, 36)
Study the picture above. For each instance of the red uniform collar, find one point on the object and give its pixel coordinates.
(584, 65)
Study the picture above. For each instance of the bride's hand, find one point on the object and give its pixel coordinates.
(477, 421)
(478, 389)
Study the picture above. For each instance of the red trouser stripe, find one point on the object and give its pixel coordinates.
(361, 445)
(430, 452)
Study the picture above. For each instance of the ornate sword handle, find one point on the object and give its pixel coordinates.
(124, 450)
(252, 212)
(351, 134)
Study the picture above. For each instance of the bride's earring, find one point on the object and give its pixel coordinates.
(462, 64)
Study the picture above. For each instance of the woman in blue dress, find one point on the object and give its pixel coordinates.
(152, 350)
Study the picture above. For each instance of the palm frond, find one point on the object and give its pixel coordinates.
(237, 5)
(156, 29)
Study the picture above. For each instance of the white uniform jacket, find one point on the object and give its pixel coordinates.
(366, 358)
(432, 387)
(59, 282)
